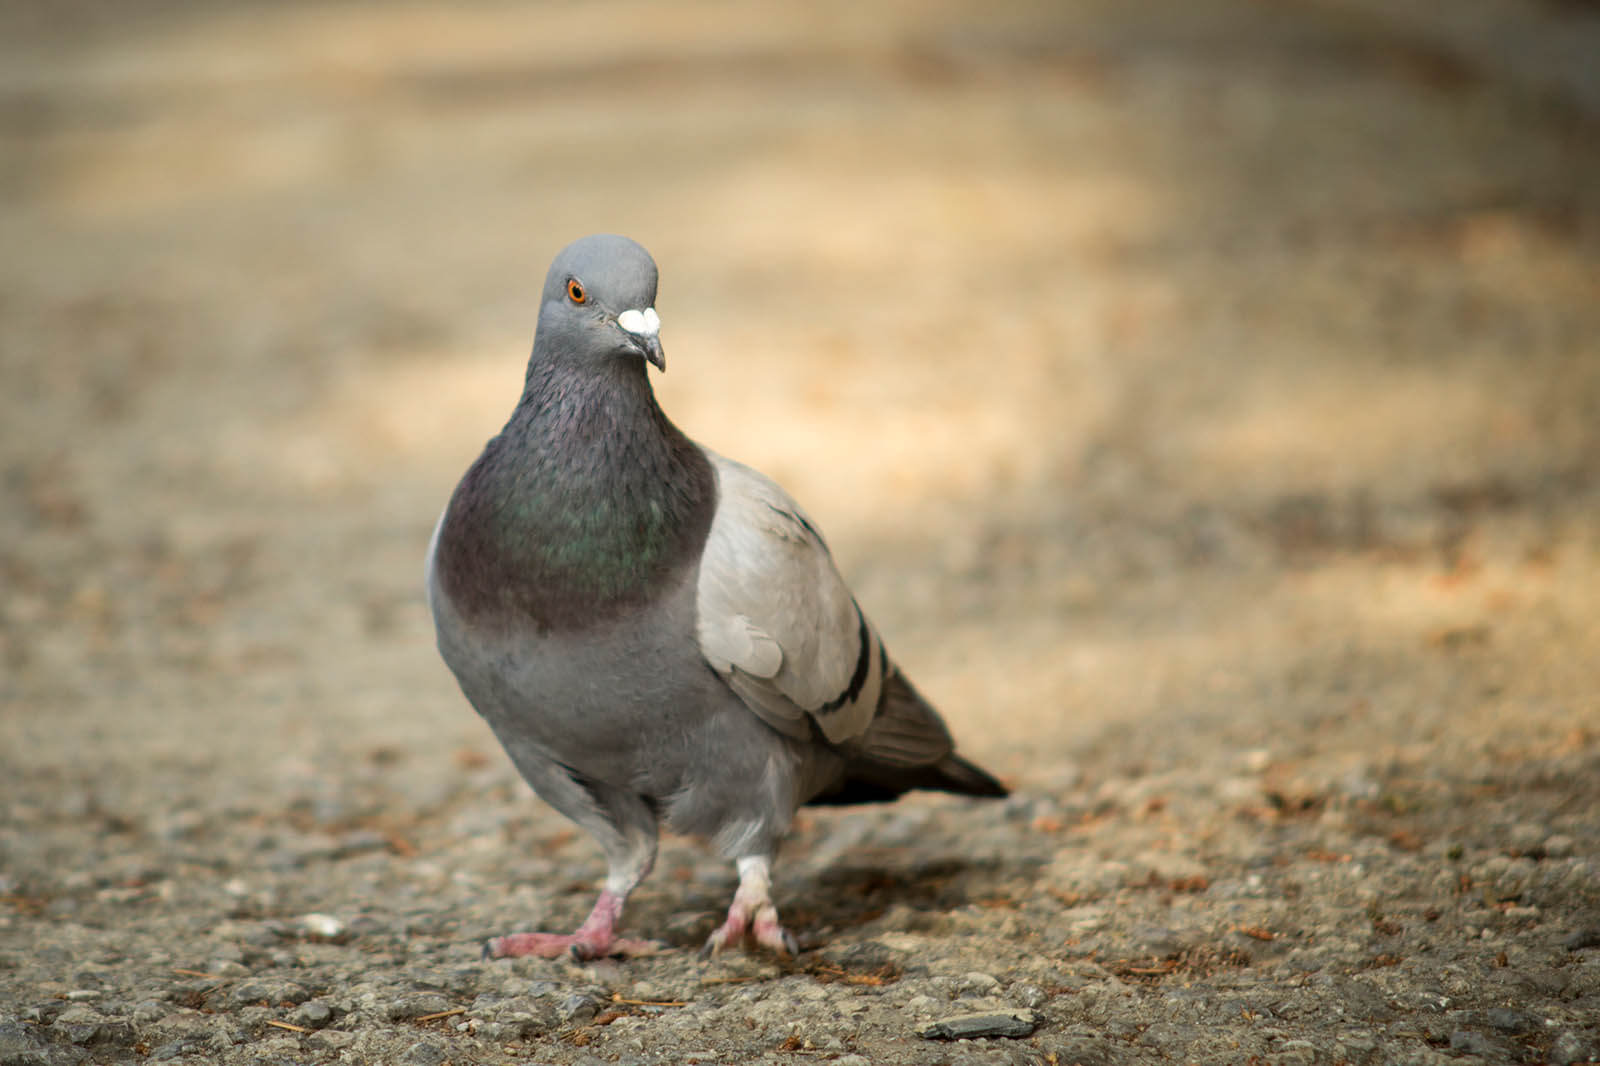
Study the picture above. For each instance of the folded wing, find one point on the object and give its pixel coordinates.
(775, 618)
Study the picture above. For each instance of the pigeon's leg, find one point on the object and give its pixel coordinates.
(752, 912)
(625, 825)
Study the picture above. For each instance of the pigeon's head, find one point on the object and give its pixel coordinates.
(599, 304)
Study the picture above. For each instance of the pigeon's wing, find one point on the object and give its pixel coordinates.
(776, 620)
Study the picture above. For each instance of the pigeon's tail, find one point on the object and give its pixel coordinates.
(877, 783)
(963, 778)
(906, 747)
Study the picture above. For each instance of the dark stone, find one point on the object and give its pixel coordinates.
(43, 1013)
(866, 955)
(580, 1006)
(425, 1053)
(1011, 1023)
(408, 1007)
(1579, 939)
(313, 1014)
(1469, 1043)
(1082, 1050)
(272, 993)
(20, 1045)
(1166, 1035)
(1570, 1048)
(1509, 1020)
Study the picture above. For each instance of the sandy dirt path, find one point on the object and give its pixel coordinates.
(1204, 398)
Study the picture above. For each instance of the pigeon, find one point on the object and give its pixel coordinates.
(658, 635)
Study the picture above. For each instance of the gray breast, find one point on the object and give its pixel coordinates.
(618, 702)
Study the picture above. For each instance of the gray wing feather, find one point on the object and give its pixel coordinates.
(774, 617)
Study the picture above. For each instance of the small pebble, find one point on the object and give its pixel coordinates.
(173, 1049)
(579, 1007)
(1030, 995)
(149, 1010)
(80, 1034)
(322, 926)
(271, 992)
(977, 984)
(408, 1007)
(331, 1039)
(1295, 1053)
(1526, 837)
(1558, 846)
(313, 1014)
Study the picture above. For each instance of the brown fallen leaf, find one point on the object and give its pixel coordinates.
(471, 759)
(997, 903)
(399, 845)
(1405, 840)
(1323, 855)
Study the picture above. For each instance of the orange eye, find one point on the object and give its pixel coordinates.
(575, 291)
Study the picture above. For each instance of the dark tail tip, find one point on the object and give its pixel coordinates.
(955, 774)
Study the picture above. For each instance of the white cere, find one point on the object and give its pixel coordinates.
(646, 323)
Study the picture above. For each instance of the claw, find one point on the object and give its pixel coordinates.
(752, 915)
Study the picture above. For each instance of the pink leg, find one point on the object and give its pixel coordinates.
(752, 913)
(596, 938)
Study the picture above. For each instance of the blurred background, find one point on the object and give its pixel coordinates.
(1178, 382)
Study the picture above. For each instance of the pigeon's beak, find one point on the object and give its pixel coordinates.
(644, 328)
(652, 351)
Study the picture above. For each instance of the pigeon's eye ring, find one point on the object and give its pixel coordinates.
(575, 291)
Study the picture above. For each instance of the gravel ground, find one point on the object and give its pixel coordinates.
(1203, 397)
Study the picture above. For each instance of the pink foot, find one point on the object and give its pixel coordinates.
(763, 928)
(596, 938)
(752, 914)
(575, 945)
